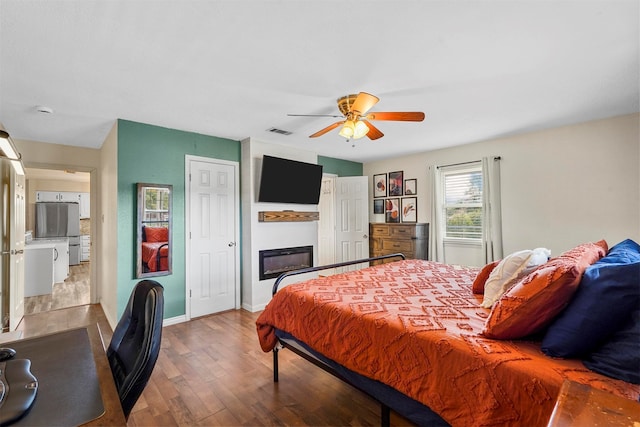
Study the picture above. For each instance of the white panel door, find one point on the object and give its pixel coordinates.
(17, 225)
(352, 219)
(212, 259)
(326, 225)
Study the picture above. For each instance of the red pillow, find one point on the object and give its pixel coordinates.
(481, 278)
(533, 302)
(156, 234)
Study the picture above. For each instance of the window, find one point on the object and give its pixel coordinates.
(156, 206)
(462, 202)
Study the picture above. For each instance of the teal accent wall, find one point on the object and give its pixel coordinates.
(152, 154)
(340, 167)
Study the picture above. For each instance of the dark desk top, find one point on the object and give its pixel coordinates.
(75, 386)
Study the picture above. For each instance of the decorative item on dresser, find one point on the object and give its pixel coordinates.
(410, 239)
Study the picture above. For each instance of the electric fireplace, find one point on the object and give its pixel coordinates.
(274, 262)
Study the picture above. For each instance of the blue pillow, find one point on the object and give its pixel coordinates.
(620, 356)
(608, 292)
(624, 252)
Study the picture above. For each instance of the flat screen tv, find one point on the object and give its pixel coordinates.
(289, 181)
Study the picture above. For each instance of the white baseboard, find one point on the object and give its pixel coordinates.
(252, 308)
(174, 320)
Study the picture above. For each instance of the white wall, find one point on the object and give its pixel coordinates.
(105, 254)
(258, 236)
(560, 187)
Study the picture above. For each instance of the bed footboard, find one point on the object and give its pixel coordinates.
(330, 266)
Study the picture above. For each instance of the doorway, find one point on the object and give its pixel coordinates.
(74, 287)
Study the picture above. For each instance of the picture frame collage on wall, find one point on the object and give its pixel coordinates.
(389, 192)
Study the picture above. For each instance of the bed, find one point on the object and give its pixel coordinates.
(155, 249)
(413, 335)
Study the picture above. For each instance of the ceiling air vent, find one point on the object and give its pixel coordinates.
(280, 131)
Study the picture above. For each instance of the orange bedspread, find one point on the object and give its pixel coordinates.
(415, 325)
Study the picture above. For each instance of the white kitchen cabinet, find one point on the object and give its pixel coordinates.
(38, 271)
(61, 260)
(57, 196)
(68, 196)
(85, 247)
(85, 206)
(47, 196)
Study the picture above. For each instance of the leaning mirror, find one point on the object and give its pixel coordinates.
(154, 245)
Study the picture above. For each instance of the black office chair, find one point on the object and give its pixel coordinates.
(135, 344)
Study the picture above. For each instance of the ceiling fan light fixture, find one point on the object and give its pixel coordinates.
(361, 130)
(354, 129)
(348, 130)
(357, 119)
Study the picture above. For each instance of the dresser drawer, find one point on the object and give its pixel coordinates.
(375, 243)
(379, 230)
(402, 232)
(398, 245)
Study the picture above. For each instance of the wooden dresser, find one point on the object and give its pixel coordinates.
(410, 239)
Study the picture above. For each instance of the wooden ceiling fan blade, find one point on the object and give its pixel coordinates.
(363, 103)
(374, 132)
(407, 116)
(327, 129)
(315, 115)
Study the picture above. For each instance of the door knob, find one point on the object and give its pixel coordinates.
(365, 236)
(232, 244)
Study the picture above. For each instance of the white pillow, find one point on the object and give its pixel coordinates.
(539, 257)
(504, 275)
(511, 269)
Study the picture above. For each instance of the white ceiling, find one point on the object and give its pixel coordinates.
(233, 69)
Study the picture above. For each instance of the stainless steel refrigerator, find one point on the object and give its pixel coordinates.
(56, 219)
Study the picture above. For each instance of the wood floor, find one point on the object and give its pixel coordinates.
(212, 372)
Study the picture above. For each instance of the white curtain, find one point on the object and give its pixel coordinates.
(492, 211)
(436, 246)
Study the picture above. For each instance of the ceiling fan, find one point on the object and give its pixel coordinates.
(356, 124)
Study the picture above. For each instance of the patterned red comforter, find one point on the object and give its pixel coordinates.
(415, 325)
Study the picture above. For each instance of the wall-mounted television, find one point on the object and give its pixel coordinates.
(289, 181)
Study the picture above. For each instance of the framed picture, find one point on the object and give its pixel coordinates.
(392, 210)
(410, 187)
(378, 206)
(395, 183)
(380, 185)
(409, 209)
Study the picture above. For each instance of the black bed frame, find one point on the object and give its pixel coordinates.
(385, 411)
